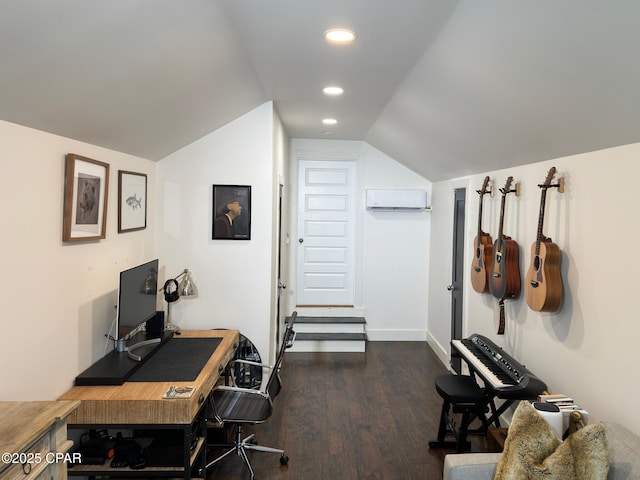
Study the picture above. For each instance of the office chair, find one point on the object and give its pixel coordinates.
(237, 406)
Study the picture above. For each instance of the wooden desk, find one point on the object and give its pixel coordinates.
(140, 404)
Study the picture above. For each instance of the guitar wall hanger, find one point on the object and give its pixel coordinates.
(489, 191)
(516, 190)
(559, 185)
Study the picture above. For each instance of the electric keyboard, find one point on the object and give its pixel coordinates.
(500, 372)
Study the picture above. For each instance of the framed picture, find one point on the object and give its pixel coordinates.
(86, 187)
(132, 201)
(231, 212)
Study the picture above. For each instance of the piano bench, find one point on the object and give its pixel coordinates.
(460, 394)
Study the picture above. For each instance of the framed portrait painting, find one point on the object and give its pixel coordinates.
(132, 201)
(86, 188)
(231, 217)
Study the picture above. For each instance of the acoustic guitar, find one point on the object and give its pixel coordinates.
(543, 284)
(504, 278)
(483, 250)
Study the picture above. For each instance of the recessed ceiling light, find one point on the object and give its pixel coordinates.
(333, 90)
(329, 121)
(340, 36)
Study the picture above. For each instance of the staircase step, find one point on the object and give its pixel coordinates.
(330, 334)
(338, 320)
(315, 343)
(330, 327)
(302, 337)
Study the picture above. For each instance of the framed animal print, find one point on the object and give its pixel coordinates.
(86, 187)
(132, 201)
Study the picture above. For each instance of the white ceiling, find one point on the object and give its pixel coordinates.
(446, 87)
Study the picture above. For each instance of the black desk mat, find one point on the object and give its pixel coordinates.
(178, 360)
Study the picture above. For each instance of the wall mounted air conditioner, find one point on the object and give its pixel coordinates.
(382, 199)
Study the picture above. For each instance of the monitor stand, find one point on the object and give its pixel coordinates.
(116, 367)
(136, 346)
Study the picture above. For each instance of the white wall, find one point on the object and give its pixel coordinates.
(60, 297)
(391, 278)
(233, 276)
(396, 251)
(588, 348)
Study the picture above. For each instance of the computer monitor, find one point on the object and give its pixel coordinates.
(137, 303)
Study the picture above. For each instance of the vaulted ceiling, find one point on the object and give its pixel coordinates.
(446, 87)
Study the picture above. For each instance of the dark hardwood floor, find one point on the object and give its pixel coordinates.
(352, 416)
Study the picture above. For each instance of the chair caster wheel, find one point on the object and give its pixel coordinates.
(284, 460)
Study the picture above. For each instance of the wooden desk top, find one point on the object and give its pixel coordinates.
(141, 403)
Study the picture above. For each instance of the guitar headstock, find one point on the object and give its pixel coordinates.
(485, 184)
(550, 175)
(507, 186)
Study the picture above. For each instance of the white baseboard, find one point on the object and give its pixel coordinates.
(440, 352)
(389, 335)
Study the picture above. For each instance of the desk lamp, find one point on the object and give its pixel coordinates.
(174, 290)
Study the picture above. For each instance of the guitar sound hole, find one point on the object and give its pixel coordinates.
(536, 264)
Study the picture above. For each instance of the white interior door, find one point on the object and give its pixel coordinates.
(326, 233)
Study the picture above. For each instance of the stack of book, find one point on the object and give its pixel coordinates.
(567, 406)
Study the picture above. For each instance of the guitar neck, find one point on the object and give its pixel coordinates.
(502, 205)
(480, 216)
(543, 200)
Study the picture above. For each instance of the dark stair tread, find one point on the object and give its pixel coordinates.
(320, 320)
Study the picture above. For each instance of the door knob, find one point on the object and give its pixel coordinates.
(300, 240)
(450, 287)
(282, 285)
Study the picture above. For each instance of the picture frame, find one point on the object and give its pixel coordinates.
(86, 189)
(231, 213)
(132, 201)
